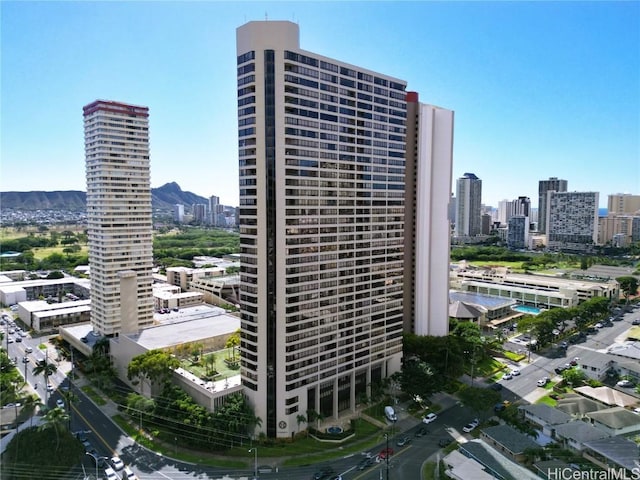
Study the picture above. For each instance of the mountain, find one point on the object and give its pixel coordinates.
(162, 198)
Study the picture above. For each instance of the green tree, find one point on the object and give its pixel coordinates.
(480, 400)
(44, 367)
(417, 378)
(56, 418)
(574, 376)
(232, 342)
(629, 286)
(154, 367)
(30, 404)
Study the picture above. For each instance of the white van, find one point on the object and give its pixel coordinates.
(390, 413)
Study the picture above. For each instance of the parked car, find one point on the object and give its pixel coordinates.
(421, 432)
(429, 417)
(128, 474)
(636, 321)
(574, 361)
(28, 350)
(543, 381)
(117, 463)
(515, 372)
(404, 441)
(469, 427)
(499, 407)
(110, 474)
(60, 403)
(507, 376)
(560, 369)
(49, 388)
(624, 383)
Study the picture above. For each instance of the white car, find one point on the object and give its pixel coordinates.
(543, 381)
(507, 376)
(430, 417)
(59, 403)
(109, 474)
(470, 426)
(128, 474)
(624, 383)
(515, 372)
(117, 463)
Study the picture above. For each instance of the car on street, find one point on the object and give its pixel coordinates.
(543, 381)
(499, 407)
(365, 463)
(636, 321)
(385, 452)
(421, 432)
(560, 369)
(469, 427)
(507, 376)
(49, 388)
(598, 325)
(60, 403)
(404, 441)
(515, 372)
(18, 338)
(564, 345)
(574, 361)
(28, 350)
(323, 473)
(25, 359)
(624, 383)
(429, 417)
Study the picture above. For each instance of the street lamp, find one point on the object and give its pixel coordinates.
(255, 461)
(95, 459)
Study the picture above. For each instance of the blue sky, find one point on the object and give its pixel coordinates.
(539, 89)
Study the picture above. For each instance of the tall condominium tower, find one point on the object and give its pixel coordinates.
(119, 215)
(426, 227)
(322, 172)
(468, 208)
(544, 186)
(572, 220)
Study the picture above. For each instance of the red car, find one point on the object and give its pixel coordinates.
(384, 452)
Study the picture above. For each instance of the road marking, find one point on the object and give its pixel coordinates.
(104, 442)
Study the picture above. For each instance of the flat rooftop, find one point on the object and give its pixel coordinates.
(486, 301)
(200, 324)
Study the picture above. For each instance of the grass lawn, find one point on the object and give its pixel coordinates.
(494, 263)
(42, 253)
(90, 392)
(516, 357)
(547, 400)
(487, 367)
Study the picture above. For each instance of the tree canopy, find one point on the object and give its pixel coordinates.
(154, 366)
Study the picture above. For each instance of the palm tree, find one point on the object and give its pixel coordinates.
(56, 419)
(47, 369)
(30, 404)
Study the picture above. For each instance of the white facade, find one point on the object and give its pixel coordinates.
(572, 220)
(118, 210)
(427, 232)
(322, 172)
(469, 206)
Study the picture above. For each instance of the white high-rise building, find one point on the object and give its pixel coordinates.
(468, 208)
(118, 213)
(427, 228)
(554, 184)
(572, 220)
(322, 225)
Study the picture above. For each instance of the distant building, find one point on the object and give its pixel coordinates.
(469, 200)
(518, 232)
(552, 185)
(623, 204)
(178, 213)
(118, 210)
(199, 213)
(572, 220)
